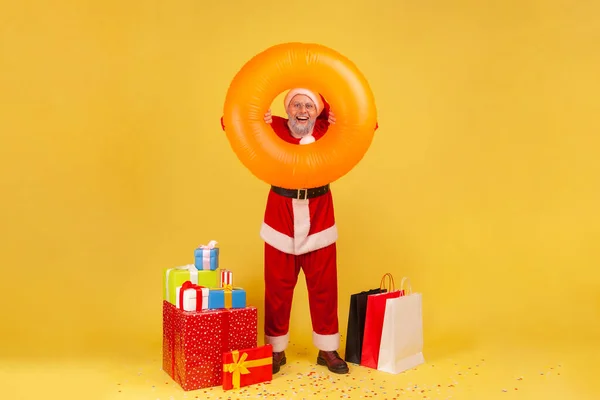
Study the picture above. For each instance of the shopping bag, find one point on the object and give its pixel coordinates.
(356, 324)
(374, 322)
(401, 345)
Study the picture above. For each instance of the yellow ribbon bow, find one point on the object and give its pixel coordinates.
(240, 366)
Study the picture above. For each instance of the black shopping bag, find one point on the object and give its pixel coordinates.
(356, 324)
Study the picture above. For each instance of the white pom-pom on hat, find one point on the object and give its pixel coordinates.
(307, 139)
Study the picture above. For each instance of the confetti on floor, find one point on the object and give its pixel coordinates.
(491, 374)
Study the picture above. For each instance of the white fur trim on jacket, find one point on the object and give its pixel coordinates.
(294, 246)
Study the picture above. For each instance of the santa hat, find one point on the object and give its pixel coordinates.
(312, 95)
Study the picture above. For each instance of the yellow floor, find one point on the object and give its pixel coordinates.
(512, 372)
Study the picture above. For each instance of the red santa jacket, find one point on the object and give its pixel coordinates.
(297, 226)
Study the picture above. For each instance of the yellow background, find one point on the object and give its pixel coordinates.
(481, 184)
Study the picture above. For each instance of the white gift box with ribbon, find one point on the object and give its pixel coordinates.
(190, 298)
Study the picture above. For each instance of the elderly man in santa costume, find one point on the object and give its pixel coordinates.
(299, 231)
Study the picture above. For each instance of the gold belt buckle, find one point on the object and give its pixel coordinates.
(300, 197)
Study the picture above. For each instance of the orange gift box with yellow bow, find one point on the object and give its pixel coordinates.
(247, 367)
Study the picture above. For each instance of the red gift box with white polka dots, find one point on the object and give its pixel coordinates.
(194, 342)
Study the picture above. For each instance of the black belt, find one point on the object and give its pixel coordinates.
(301, 194)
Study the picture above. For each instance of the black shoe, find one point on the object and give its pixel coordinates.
(332, 360)
(278, 360)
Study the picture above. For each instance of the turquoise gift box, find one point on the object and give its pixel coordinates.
(207, 257)
(226, 298)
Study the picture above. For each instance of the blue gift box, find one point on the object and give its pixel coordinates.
(223, 298)
(206, 258)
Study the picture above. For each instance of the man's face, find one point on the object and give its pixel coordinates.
(302, 114)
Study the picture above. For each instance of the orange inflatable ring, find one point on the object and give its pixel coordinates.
(283, 67)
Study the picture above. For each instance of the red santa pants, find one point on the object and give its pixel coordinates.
(281, 274)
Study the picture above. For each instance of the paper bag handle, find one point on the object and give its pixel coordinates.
(409, 284)
(391, 278)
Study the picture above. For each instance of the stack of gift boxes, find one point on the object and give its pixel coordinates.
(209, 332)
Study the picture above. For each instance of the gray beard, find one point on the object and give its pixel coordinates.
(300, 130)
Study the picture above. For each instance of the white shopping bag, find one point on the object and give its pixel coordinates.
(401, 345)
